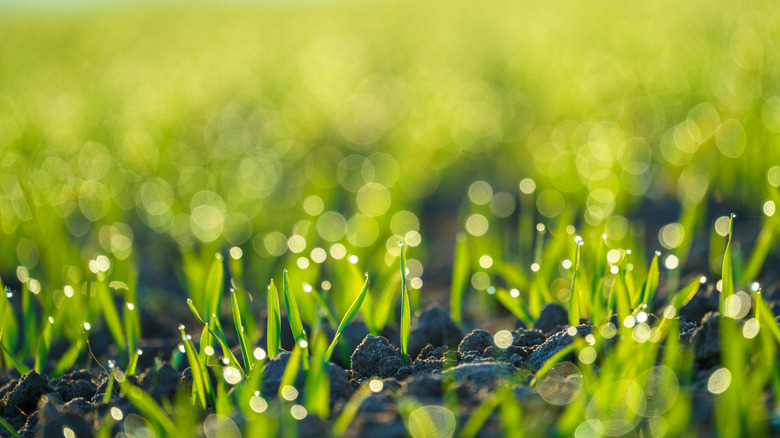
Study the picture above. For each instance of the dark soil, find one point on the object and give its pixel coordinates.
(441, 359)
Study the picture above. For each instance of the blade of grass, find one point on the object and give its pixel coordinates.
(198, 375)
(686, 294)
(460, 277)
(110, 314)
(69, 358)
(130, 371)
(274, 323)
(43, 346)
(384, 308)
(215, 282)
(405, 307)
(9, 428)
(20, 367)
(296, 324)
(727, 273)
(350, 410)
(514, 305)
(242, 341)
(149, 408)
(351, 312)
(574, 298)
(651, 283)
(195, 311)
(766, 238)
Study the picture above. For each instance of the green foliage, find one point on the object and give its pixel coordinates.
(351, 312)
(406, 317)
(460, 275)
(274, 323)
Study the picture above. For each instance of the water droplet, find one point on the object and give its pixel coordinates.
(181, 326)
(51, 320)
(87, 326)
(400, 243)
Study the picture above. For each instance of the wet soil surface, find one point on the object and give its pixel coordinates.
(442, 358)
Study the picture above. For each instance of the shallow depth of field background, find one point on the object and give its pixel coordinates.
(301, 132)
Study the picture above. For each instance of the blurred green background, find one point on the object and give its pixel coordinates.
(157, 133)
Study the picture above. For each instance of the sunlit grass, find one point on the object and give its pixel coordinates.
(309, 140)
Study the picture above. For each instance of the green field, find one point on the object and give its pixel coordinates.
(138, 141)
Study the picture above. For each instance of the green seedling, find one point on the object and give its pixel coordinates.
(574, 297)
(405, 307)
(274, 323)
(460, 277)
(296, 324)
(351, 312)
(651, 283)
(242, 341)
(727, 279)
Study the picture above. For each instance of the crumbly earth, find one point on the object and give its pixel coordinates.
(469, 367)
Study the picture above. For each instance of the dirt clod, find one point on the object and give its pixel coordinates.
(552, 345)
(375, 356)
(475, 343)
(24, 397)
(552, 317)
(433, 326)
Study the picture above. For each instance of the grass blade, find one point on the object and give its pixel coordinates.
(20, 367)
(651, 284)
(274, 323)
(43, 346)
(686, 294)
(727, 276)
(764, 244)
(214, 285)
(69, 358)
(195, 311)
(351, 312)
(111, 315)
(198, 383)
(149, 408)
(460, 277)
(9, 428)
(383, 309)
(405, 308)
(240, 333)
(296, 324)
(574, 297)
(514, 305)
(350, 410)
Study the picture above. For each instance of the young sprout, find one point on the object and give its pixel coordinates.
(405, 307)
(574, 298)
(274, 326)
(351, 312)
(294, 315)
